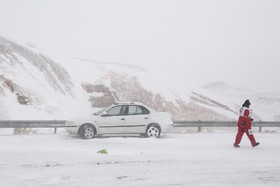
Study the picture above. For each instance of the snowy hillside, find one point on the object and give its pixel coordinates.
(31, 83)
(266, 105)
(36, 86)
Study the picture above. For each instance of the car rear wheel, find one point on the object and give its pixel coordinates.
(88, 131)
(153, 131)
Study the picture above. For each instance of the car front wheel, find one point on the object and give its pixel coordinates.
(153, 131)
(88, 131)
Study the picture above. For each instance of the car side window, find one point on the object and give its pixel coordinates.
(115, 111)
(137, 110)
(145, 111)
(132, 110)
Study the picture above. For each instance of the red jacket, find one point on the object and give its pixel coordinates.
(244, 120)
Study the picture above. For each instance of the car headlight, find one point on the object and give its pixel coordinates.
(70, 123)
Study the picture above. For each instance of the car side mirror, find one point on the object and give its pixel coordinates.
(104, 115)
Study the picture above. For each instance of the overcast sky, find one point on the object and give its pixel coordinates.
(234, 41)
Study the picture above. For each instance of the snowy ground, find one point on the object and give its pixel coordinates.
(191, 159)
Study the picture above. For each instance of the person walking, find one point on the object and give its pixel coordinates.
(244, 125)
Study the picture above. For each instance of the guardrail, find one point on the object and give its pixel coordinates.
(200, 124)
(33, 124)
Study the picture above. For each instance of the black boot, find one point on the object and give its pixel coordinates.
(256, 144)
(236, 145)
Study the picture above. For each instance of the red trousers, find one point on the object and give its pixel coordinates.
(240, 134)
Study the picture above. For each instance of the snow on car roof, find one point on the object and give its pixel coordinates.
(128, 103)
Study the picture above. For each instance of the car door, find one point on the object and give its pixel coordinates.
(112, 121)
(136, 119)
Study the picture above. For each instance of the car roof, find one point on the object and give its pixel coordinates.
(128, 103)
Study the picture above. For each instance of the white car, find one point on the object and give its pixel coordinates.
(122, 118)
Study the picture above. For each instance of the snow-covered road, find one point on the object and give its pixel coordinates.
(194, 159)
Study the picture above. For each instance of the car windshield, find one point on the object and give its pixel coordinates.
(101, 111)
